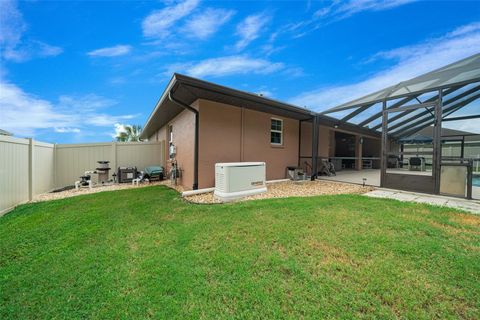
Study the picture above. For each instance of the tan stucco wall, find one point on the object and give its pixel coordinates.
(257, 147)
(232, 134)
(324, 149)
(219, 139)
(183, 138)
(162, 135)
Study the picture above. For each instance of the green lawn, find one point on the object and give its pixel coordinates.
(145, 253)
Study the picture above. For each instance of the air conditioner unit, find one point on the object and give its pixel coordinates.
(235, 180)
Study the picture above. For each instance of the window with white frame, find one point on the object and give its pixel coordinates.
(276, 131)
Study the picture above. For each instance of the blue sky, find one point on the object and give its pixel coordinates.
(74, 71)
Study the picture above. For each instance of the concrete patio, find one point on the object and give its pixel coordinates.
(472, 206)
(372, 177)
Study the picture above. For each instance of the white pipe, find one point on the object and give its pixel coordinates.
(276, 181)
(207, 190)
(198, 191)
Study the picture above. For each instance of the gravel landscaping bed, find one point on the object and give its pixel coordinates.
(95, 189)
(293, 189)
(274, 190)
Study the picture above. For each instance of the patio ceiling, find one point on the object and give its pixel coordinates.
(460, 85)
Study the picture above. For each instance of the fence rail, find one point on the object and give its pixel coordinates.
(29, 167)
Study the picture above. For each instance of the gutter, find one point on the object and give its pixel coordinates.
(172, 81)
(195, 152)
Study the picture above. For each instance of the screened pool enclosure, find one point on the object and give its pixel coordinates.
(414, 161)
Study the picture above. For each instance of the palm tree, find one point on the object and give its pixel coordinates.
(130, 133)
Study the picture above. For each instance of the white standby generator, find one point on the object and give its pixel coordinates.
(235, 180)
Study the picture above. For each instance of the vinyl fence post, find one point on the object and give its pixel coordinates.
(30, 168)
(114, 158)
(55, 165)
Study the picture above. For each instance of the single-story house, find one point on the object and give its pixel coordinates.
(455, 143)
(209, 123)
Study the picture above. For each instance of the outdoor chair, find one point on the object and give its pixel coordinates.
(393, 162)
(295, 173)
(327, 168)
(416, 164)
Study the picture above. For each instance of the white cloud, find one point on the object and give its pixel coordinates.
(335, 11)
(342, 10)
(206, 23)
(107, 120)
(12, 24)
(87, 103)
(249, 29)
(15, 104)
(29, 50)
(14, 46)
(408, 62)
(463, 125)
(117, 80)
(71, 114)
(118, 50)
(224, 66)
(119, 128)
(66, 130)
(158, 23)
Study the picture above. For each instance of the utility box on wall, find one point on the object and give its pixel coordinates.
(235, 180)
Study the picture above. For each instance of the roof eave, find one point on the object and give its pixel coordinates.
(164, 96)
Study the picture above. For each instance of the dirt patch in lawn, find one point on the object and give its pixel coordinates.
(455, 231)
(331, 254)
(293, 189)
(467, 219)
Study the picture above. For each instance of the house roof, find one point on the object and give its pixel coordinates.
(188, 90)
(5, 133)
(426, 135)
(460, 82)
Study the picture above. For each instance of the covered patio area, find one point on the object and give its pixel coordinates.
(370, 177)
(398, 113)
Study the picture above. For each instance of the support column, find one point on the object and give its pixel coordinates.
(113, 164)
(314, 147)
(402, 148)
(383, 162)
(358, 153)
(299, 142)
(437, 142)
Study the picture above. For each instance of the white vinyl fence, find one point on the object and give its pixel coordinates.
(29, 168)
(72, 160)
